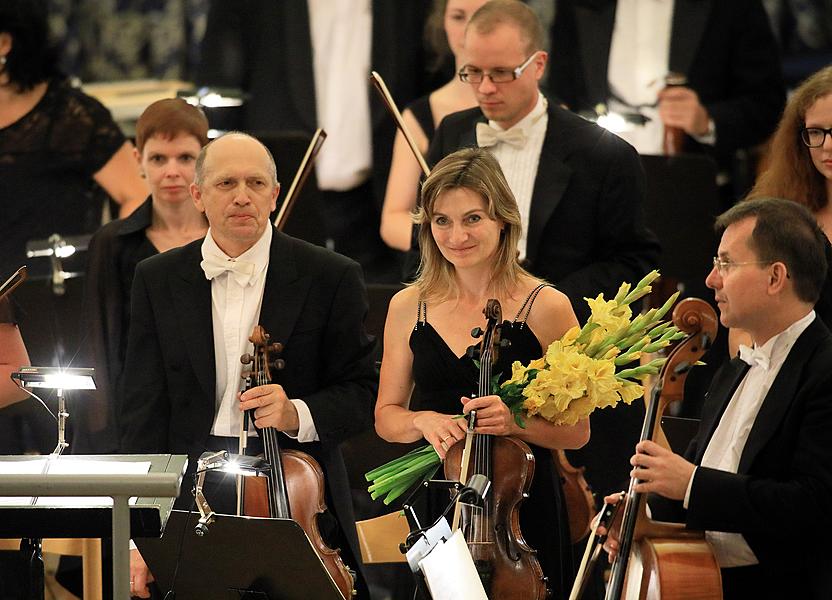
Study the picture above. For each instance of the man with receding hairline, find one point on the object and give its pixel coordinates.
(193, 310)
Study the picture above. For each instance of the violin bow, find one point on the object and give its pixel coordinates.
(300, 178)
(12, 282)
(381, 88)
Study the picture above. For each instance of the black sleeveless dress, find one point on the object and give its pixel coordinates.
(442, 378)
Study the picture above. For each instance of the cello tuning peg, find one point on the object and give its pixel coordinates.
(473, 352)
(277, 348)
(476, 332)
(505, 343)
(246, 359)
(278, 364)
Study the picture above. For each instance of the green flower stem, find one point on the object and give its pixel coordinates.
(396, 463)
(413, 471)
(667, 305)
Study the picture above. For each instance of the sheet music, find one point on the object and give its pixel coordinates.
(68, 466)
(450, 573)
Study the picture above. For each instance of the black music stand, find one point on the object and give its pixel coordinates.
(240, 558)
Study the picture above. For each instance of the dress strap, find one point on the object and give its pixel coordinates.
(523, 313)
(421, 313)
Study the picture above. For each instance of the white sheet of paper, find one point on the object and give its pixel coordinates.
(69, 466)
(450, 573)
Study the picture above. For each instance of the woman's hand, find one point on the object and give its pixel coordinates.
(441, 431)
(493, 416)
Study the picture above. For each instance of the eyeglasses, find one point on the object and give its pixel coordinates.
(814, 137)
(723, 266)
(470, 74)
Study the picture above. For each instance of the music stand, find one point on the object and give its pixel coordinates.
(155, 490)
(281, 563)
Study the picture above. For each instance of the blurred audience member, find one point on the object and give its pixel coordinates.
(624, 54)
(305, 64)
(445, 32)
(798, 165)
(169, 136)
(55, 142)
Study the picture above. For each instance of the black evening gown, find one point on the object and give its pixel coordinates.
(441, 379)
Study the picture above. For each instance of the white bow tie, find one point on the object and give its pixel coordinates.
(754, 357)
(489, 136)
(242, 271)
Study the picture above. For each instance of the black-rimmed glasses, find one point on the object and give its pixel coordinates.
(470, 74)
(814, 137)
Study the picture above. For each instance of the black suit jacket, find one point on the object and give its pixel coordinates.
(586, 230)
(314, 303)
(780, 499)
(726, 49)
(264, 47)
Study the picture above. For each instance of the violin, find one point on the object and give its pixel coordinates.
(294, 487)
(578, 496)
(506, 564)
(670, 561)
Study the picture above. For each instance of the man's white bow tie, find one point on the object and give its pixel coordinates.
(754, 356)
(489, 136)
(241, 270)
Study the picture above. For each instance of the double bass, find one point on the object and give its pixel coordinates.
(506, 564)
(294, 487)
(658, 559)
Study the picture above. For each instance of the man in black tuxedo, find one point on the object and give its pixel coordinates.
(579, 189)
(758, 475)
(305, 64)
(193, 309)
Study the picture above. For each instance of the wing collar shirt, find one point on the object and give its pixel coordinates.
(519, 162)
(342, 33)
(728, 441)
(235, 309)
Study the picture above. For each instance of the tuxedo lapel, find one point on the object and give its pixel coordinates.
(595, 21)
(689, 20)
(780, 396)
(299, 78)
(285, 292)
(191, 293)
(722, 388)
(549, 185)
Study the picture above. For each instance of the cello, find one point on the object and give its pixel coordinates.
(506, 564)
(294, 486)
(658, 559)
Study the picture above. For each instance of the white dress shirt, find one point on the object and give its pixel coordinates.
(235, 310)
(342, 33)
(731, 434)
(519, 165)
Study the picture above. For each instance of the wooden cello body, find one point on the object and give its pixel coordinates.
(294, 488)
(659, 560)
(507, 565)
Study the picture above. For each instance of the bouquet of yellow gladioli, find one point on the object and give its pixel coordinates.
(580, 372)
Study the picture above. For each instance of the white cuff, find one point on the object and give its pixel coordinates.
(687, 491)
(709, 138)
(306, 426)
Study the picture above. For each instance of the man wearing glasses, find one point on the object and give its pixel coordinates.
(579, 188)
(758, 475)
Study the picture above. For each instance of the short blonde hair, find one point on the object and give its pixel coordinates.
(510, 12)
(477, 170)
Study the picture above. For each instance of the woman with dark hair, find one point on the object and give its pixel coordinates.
(169, 136)
(445, 33)
(469, 225)
(798, 163)
(55, 142)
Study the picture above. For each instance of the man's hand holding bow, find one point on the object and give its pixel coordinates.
(272, 408)
(660, 471)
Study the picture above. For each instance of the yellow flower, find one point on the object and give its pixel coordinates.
(630, 391)
(609, 315)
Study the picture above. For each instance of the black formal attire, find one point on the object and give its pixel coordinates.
(424, 115)
(47, 161)
(112, 256)
(313, 302)
(265, 48)
(586, 234)
(781, 495)
(726, 50)
(442, 378)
